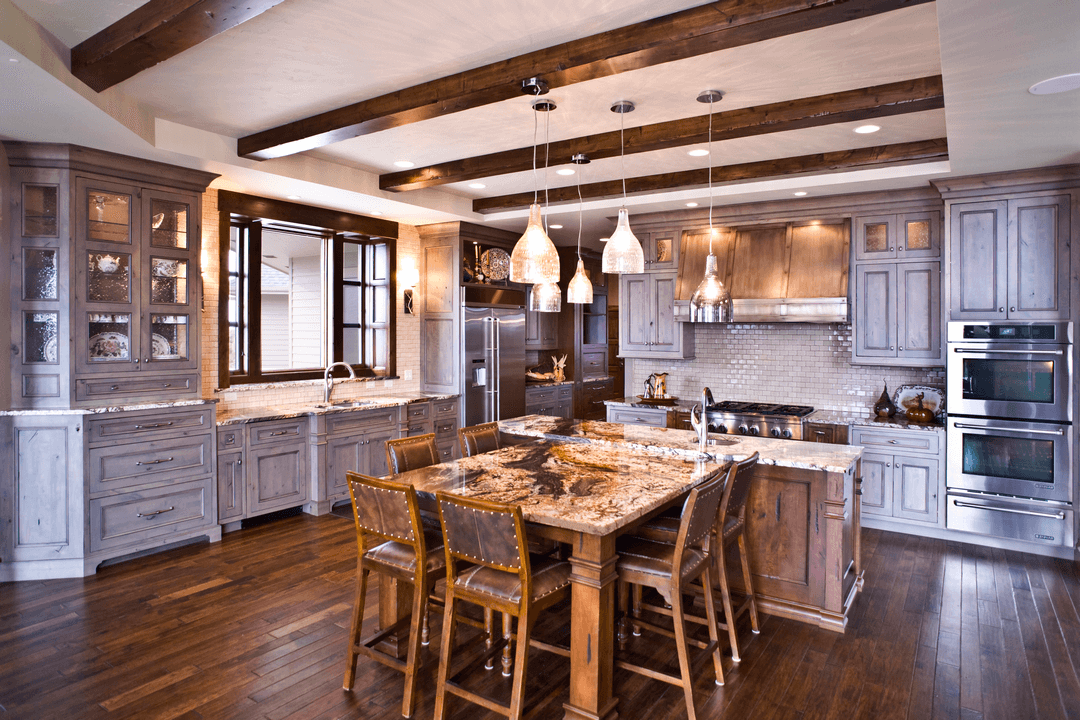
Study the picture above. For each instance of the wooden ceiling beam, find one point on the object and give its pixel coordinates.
(155, 32)
(920, 151)
(689, 33)
(868, 103)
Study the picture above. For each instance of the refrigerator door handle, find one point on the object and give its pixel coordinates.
(498, 371)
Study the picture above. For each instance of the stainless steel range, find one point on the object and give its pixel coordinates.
(749, 418)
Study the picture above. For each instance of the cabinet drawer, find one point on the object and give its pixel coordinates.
(270, 432)
(446, 408)
(603, 389)
(637, 416)
(113, 429)
(922, 441)
(417, 412)
(594, 364)
(230, 438)
(550, 408)
(419, 429)
(566, 392)
(540, 395)
(127, 388)
(122, 466)
(446, 429)
(135, 517)
(447, 451)
(362, 420)
(825, 433)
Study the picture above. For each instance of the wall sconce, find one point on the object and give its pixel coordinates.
(409, 278)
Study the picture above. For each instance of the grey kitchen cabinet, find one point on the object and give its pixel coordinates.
(628, 415)
(661, 249)
(355, 441)
(897, 318)
(541, 328)
(647, 325)
(277, 476)
(230, 478)
(445, 423)
(903, 477)
(1010, 258)
(899, 236)
(554, 400)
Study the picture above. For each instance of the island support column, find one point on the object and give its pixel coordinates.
(592, 629)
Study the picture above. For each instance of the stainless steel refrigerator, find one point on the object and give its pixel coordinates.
(494, 372)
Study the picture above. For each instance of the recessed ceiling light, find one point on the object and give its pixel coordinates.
(404, 163)
(1059, 84)
(564, 171)
(555, 227)
(14, 60)
(700, 152)
(604, 239)
(376, 212)
(477, 186)
(867, 129)
(691, 204)
(293, 197)
(800, 193)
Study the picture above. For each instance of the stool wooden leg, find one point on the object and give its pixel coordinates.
(517, 693)
(412, 662)
(357, 626)
(744, 560)
(489, 629)
(710, 616)
(636, 608)
(684, 656)
(508, 653)
(449, 618)
(725, 595)
(623, 624)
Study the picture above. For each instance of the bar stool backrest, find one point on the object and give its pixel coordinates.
(486, 533)
(699, 513)
(386, 509)
(738, 487)
(410, 453)
(479, 439)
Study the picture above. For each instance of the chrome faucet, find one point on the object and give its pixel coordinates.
(329, 379)
(701, 422)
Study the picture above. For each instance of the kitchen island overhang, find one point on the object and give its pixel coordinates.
(803, 536)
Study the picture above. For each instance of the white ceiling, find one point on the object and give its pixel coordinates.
(306, 56)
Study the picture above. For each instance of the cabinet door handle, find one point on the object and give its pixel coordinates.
(279, 432)
(894, 442)
(166, 385)
(114, 387)
(151, 426)
(156, 512)
(240, 461)
(154, 462)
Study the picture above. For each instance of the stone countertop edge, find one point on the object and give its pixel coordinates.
(111, 409)
(291, 411)
(865, 419)
(546, 383)
(683, 443)
(679, 406)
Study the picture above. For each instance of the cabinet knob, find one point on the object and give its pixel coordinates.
(901, 348)
(136, 361)
(888, 464)
(891, 249)
(1012, 309)
(1001, 309)
(891, 347)
(240, 462)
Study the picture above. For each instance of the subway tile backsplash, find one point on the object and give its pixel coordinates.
(799, 363)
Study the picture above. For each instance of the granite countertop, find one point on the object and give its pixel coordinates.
(684, 443)
(546, 383)
(110, 409)
(283, 412)
(896, 422)
(573, 485)
(679, 406)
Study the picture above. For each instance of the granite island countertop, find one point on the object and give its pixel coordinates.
(684, 443)
(284, 412)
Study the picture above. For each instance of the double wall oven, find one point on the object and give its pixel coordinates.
(1010, 430)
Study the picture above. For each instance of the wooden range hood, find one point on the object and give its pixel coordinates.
(781, 272)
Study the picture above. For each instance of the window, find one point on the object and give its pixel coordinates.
(301, 297)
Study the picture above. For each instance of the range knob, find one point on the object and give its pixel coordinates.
(754, 430)
(787, 434)
(775, 432)
(722, 429)
(742, 430)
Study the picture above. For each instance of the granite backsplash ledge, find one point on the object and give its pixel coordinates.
(797, 363)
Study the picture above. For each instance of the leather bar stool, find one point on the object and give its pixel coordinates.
(488, 564)
(669, 569)
(479, 439)
(411, 453)
(406, 550)
(731, 523)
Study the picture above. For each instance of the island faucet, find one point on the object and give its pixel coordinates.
(329, 379)
(701, 422)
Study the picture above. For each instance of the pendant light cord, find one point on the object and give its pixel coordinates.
(580, 213)
(711, 231)
(622, 153)
(536, 182)
(547, 201)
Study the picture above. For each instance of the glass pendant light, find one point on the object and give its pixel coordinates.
(579, 291)
(623, 252)
(534, 258)
(711, 301)
(546, 297)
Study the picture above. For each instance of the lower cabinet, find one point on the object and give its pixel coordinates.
(825, 432)
(903, 477)
(593, 395)
(278, 476)
(230, 478)
(445, 424)
(553, 400)
(629, 415)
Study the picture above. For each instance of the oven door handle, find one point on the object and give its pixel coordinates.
(964, 426)
(1008, 352)
(1052, 516)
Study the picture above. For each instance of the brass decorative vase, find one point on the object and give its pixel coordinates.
(884, 407)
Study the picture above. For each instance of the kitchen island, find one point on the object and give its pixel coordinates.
(802, 517)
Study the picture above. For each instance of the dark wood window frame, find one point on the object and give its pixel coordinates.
(255, 212)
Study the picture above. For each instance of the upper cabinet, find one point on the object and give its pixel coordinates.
(901, 236)
(1010, 258)
(661, 249)
(106, 259)
(541, 328)
(647, 325)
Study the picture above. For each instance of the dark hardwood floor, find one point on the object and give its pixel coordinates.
(255, 627)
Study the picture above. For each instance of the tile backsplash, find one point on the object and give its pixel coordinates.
(798, 363)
